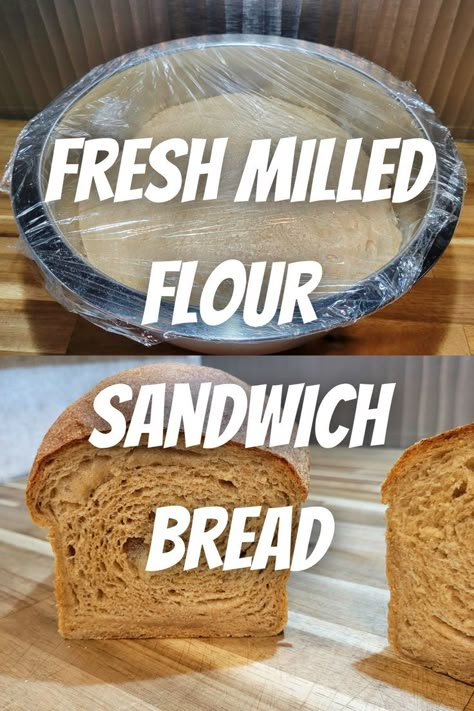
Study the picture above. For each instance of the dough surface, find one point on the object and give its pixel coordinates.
(351, 240)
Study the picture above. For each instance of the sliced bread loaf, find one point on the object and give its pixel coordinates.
(99, 507)
(430, 552)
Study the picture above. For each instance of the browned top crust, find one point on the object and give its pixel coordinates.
(456, 436)
(77, 422)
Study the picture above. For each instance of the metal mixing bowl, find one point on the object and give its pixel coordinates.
(384, 107)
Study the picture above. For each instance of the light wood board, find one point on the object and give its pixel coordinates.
(332, 656)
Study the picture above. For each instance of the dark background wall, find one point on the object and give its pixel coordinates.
(47, 44)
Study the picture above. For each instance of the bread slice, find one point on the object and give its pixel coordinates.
(430, 552)
(99, 508)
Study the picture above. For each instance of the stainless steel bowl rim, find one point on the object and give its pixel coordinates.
(110, 303)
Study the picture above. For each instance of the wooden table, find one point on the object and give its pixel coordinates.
(332, 656)
(436, 317)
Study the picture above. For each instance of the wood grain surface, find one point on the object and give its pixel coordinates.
(435, 318)
(332, 656)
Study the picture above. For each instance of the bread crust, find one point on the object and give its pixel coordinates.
(78, 421)
(412, 452)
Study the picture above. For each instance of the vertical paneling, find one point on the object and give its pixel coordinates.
(433, 394)
(46, 44)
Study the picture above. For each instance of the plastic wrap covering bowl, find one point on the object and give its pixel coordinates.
(89, 254)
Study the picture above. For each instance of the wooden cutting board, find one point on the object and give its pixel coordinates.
(435, 318)
(332, 656)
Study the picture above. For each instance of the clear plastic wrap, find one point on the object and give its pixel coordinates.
(96, 255)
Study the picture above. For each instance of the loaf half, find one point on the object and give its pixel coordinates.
(430, 552)
(99, 508)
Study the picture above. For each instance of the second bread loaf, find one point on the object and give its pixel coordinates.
(430, 553)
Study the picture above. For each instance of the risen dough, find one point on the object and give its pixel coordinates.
(351, 240)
